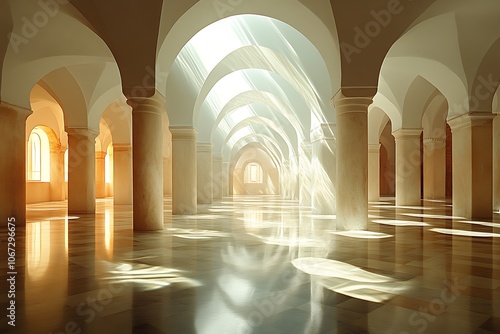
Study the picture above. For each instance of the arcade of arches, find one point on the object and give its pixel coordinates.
(368, 126)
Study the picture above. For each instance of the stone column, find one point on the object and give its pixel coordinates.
(408, 164)
(204, 173)
(352, 161)
(13, 163)
(434, 168)
(184, 171)
(496, 163)
(81, 170)
(217, 172)
(147, 149)
(300, 175)
(167, 177)
(100, 174)
(122, 174)
(472, 165)
(57, 183)
(324, 170)
(374, 172)
(225, 179)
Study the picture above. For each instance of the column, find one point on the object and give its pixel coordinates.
(217, 173)
(81, 170)
(472, 165)
(167, 176)
(13, 162)
(225, 179)
(496, 163)
(100, 174)
(147, 157)
(301, 182)
(122, 174)
(204, 173)
(408, 164)
(374, 172)
(434, 168)
(352, 161)
(184, 171)
(57, 183)
(324, 169)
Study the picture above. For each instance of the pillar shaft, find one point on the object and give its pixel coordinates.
(13, 162)
(434, 168)
(100, 174)
(408, 164)
(184, 171)
(301, 182)
(496, 163)
(122, 174)
(81, 170)
(225, 179)
(147, 147)
(57, 184)
(217, 173)
(352, 162)
(472, 165)
(324, 169)
(204, 173)
(167, 176)
(374, 172)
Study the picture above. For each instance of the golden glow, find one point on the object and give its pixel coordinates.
(108, 232)
(37, 249)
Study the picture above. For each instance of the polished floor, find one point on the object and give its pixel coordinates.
(255, 265)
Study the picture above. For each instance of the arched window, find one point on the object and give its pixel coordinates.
(34, 157)
(253, 173)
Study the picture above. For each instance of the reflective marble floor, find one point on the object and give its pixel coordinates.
(254, 265)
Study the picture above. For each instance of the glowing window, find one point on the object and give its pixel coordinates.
(34, 158)
(38, 159)
(253, 173)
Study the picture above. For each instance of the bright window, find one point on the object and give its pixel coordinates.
(66, 165)
(253, 173)
(108, 164)
(38, 159)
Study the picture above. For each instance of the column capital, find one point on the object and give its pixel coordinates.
(217, 158)
(153, 104)
(100, 155)
(82, 133)
(122, 147)
(353, 100)
(374, 148)
(204, 147)
(407, 133)
(20, 111)
(470, 120)
(434, 142)
(183, 133)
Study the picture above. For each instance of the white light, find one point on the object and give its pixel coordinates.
(363, 234)
(420, 215)
(465, 233)
(488, 224)
(399, 222)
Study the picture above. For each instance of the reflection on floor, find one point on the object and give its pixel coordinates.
(255, 265)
